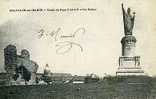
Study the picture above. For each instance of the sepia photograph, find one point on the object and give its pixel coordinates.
(77, 49)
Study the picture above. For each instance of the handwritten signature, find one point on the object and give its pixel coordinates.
(63, 44)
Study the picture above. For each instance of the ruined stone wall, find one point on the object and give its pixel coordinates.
(15, 64)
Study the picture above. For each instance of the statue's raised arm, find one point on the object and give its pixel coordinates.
(128, 20)
(123, 12)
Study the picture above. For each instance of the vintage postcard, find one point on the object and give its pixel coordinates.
(77, 49)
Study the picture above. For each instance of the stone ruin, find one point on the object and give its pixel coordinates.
(20, 68)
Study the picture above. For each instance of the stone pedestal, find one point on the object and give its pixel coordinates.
(129, 63)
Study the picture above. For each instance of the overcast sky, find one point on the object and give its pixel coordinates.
(100, 41)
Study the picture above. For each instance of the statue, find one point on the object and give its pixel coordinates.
(128, 20)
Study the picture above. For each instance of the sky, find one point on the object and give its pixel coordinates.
(98, 34)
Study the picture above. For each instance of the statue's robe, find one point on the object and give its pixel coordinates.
(129, 23)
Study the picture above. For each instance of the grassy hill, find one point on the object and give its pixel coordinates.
(130, 87)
